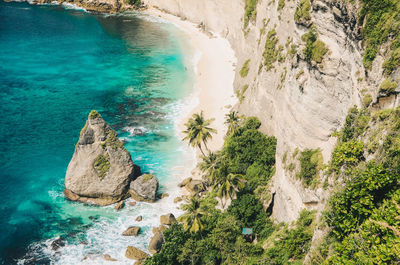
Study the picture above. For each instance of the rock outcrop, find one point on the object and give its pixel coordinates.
(131, 231)
(101, 168)
(167, 219)
(135, 253)
(144, 188)
(156, 243)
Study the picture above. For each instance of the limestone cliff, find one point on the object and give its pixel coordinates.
(101, 169)
(299, 100)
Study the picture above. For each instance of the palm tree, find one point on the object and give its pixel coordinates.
(198, 131)
(192, 217)
(232, 119)
(209, 164)
(227, 184)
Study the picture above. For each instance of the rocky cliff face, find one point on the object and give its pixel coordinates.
(101, 168)
(300, 101)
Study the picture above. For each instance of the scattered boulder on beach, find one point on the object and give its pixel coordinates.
(184, 182)
(135, 253)
(144, 188)
(159, 229)
(139, 218)
(195, 186)
(177, 199)
(156, 243)
(164, 195)
(101, 169)
(109, 258)
(167, 219)
(119, 205)
(131, 231)
(132, 203)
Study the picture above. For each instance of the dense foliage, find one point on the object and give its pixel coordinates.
(250, 11)
(302, 13)
(315, 49)
(380, 19)
(310, 163)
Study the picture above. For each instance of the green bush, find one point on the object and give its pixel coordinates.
(281, 4)
(365, 191)
(245, 69)
(270, 52)
(302, 13)
(250, 11)
(310, 162)
(315, 49)
(347, 154)
(393, 62)
(102, 165)
(367, 100)
(388, 86)
(379, 18)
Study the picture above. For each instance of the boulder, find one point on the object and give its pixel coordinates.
(195, 186)
(58, 243)
(164, 195)
(132, 203)
(101, 168)
(167, 219)
(144, 188)
(184, 182)
(109, 258)
(119, 205)
(139, 218)
(131, 231)
(156, 243)
(159, 229)
(135, 253)
(177, 199)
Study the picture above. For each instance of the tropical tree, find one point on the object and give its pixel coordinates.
(198, 131)
(191, 219)
(209, 164)
(232, 119)
(227, 184)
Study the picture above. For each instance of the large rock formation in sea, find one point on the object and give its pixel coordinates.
(101, 168)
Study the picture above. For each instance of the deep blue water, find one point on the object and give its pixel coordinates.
(55, 66)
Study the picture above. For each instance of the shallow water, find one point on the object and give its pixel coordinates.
(56, 65)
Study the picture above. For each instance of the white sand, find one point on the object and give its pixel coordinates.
(215, 76)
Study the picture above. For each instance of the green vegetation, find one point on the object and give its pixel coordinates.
(112, 139)
(250, 11)
(367, 100)
(94, 114)
(302, 13)
(84, 128)
(146, 178)
(281, 4)
(245, 69)
(388, 86)
(310, 164)
(198, 131)
(380, 19)
(137, 3)
(102, 165)
(315, 49)
(363, 215)
(270, 52)
(240, 92)
(300, 73)
(233, 121)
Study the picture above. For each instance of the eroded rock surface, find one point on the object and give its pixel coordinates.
(101, 168)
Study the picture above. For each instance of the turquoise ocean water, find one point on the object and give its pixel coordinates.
(57, 64)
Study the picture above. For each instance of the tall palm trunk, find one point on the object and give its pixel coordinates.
(201, 149)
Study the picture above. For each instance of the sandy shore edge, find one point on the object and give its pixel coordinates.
(215, 73)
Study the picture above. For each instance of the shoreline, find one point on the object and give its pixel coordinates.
(214, 76)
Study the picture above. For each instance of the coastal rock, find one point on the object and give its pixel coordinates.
(159, 229)
(184, 182)
(135, 253)
(109, 258)
(195, 186)
(131, 231)
(132, 203)
(119, 205)
(167, 219)
(58, 243)
(164, 195)
(156, 243)
(177, 199)
(101, 168)
(144, 188)
(139, 218)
